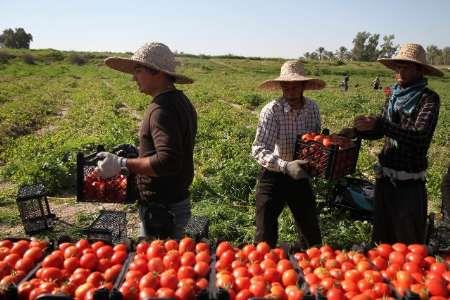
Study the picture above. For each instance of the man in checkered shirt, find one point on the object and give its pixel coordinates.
(282, 179)
(407, 123)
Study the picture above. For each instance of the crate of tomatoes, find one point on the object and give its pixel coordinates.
(329, 156)
(92, 188)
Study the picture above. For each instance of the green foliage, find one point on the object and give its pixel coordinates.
(77, 59)
(17, 38)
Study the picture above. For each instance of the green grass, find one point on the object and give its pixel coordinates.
(53, 108)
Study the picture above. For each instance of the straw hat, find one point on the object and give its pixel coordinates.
(413, 53)
(293, 71)
(153, 55)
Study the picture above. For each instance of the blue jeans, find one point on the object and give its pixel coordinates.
(165, 221)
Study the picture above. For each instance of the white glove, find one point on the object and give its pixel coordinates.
(295, 169)
(110, 165)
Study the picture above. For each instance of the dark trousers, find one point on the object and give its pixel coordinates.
(400, 212)
(275, 190)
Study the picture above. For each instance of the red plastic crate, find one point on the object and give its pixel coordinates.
(329, 163)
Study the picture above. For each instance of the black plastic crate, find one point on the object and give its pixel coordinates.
(198, 228)
(328, 162)
(109, 226)
(34, 208)
(118, 189)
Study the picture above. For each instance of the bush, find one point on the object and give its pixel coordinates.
(5, 57)
(29, 59)
(54, 55)
(77, 59)
(253, 100)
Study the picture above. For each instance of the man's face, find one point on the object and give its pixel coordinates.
(407, 73)
(146, 79)
(292, 90)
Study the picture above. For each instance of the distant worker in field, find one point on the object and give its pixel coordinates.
(344, 82)
(165, 166)
(407, 123)
(376, 83)
(282, 179)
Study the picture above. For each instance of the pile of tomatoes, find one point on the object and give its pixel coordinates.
(18, 258)
(105, 190)
(256, 271)
(168, 269)
(387, 271)
(76, 270)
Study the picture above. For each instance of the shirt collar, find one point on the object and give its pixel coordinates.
(287, 108)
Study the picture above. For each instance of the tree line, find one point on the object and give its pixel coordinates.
(368, 47)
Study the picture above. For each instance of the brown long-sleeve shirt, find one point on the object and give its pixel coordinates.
(167, 137)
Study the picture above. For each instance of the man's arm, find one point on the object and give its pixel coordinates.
(422, 130)
(264, 144)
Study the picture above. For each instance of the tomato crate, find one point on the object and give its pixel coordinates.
(34, 208)
(330, 162)
(198, 227)
(110, 226)
(92, 188)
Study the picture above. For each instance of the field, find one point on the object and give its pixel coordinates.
(51, 107)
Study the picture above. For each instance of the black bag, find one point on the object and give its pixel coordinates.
(355, 195)
(157, 219)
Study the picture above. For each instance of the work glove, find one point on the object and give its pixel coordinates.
(110, 164)
(296, 169)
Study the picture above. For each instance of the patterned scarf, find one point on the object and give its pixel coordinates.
(404, 101)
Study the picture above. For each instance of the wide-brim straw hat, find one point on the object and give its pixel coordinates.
(153, 55)
(293, 71)
(413, 53)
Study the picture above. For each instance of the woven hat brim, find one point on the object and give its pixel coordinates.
(311, 83)
(128, 65)
(428, 69)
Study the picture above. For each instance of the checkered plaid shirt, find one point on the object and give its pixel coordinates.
(413, 134)
(277, 131)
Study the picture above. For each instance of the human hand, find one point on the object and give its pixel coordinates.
(365, 123)
(110, 165)
(295, 169)
(349, 132)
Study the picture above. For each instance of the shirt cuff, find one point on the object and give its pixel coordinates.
(282, 164)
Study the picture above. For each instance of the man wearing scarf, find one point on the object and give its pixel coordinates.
(407, 123)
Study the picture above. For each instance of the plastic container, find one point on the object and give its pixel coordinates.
(328, 162)
(118, 189)
(198, 228)
(34, 208)
(109, 226)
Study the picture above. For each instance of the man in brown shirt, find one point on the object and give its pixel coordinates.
(165, 166)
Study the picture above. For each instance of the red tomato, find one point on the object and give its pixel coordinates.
(222, 247)
(166, 293)
(419, 249)
(112, 273)
(89, 261)
(142, 247)
(82, 244)
(384, 250)
(118, 257)
(201, 246)
(53, 260)
(155, 264)
(149, 280)
(34, 253)
(186, 244)
(201, 269)
(11, 259)
(172, 260)
(335, 294)
(146, 293)
(157, 250)
(294, 293)
(20, 247)
(258, 289)
(171, 245)
(6, 243)
(51, 274)
(185, 293)
(263, 248)
(185, 272)
(169, 279)
(25, 264)
(289, 277)
(438, 268)
(436, 287)
(203, 256)
(105, 251)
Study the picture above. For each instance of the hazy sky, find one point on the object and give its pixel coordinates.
(251, 28)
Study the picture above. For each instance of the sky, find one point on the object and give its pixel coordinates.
(282, 28)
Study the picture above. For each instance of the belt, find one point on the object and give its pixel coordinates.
(398, 175)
